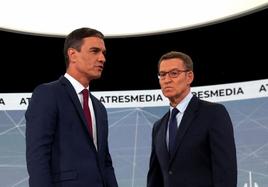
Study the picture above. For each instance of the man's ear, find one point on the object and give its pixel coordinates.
(72, 54)
(190, 77)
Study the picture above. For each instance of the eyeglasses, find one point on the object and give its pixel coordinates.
(172, 74)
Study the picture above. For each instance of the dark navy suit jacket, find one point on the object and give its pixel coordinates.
(205, 154)
(59, 150)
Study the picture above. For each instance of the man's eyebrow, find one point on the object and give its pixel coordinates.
(97, 49)
(171, 70)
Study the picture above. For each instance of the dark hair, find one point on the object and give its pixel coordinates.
(187, 61)
(75, 40)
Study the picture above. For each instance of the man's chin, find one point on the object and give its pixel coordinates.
(168, 94)
(97, 76)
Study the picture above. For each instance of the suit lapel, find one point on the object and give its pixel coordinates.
(98, 118)
(186, 122)
(73, 96)
(161, 140)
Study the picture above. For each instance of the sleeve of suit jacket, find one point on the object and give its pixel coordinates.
(109, 170)
(154, 177)
(223, 151)
(40, 127)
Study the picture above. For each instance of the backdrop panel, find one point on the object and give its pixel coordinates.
(131, 117)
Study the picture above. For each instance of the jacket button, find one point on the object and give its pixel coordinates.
(170, 172)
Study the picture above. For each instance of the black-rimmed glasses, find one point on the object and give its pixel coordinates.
(172, 74)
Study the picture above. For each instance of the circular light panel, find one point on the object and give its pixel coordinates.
(119, 17)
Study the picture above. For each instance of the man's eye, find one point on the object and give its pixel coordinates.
(173, 73)
(94, 51)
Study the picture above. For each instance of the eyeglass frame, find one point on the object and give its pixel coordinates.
(169, 73)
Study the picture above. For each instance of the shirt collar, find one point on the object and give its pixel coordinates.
(184, 103)
(76, 84)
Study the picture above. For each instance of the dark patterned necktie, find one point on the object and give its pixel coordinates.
(172, 129)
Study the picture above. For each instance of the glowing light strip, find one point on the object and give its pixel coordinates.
(118, 17)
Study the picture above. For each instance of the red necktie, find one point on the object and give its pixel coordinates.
(87, 111)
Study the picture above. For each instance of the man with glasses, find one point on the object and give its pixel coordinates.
(193, 143)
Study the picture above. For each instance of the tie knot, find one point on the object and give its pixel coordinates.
(175, 111)
(85, 92)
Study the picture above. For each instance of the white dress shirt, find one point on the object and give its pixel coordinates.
(78, 89)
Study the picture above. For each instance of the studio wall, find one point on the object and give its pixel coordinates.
(131, 115)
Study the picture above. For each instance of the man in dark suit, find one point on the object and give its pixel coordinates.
(66, 131)
(193, 147)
